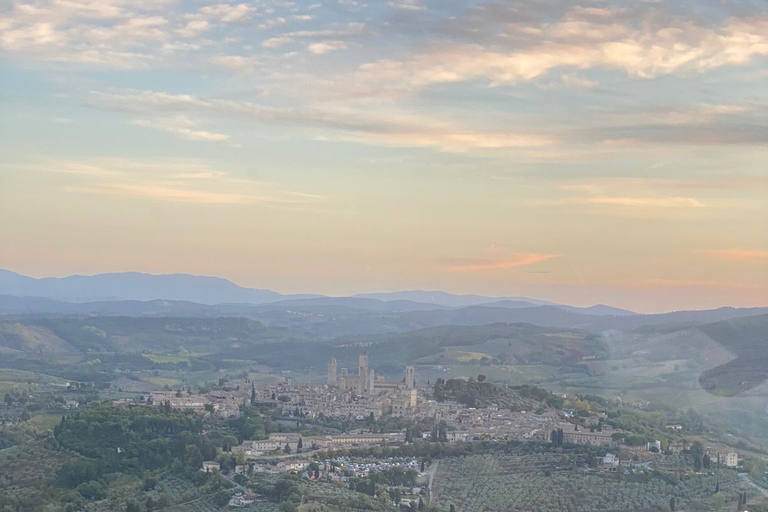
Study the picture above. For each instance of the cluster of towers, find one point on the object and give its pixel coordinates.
(365, 381)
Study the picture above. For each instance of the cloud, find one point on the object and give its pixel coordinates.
(236, 62)
(322, 48)
(609, 185)
(164, 193)
(571, 81)
(177, 193)
(660, 202)
(407, 5)
(740, 255)
(194, 28)
(203, 175)
(227, 13)
(389, 127)
(510, 261)
(352, 30)
(183, 126)
(75, 168)
(648, 47)
(172, 180)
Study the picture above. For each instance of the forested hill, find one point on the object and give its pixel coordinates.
(134, 335)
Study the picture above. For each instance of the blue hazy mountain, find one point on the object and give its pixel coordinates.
(137, 286)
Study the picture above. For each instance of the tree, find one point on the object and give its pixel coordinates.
(718, 500)
(481, 378)
(556, 436)
(442, 435)
(421, 504)
(672, 504)
(697, 449)
(758, 469)
(287, 448)
(453, 508)
(132, 506)
(439, 390)
(299, 445)
(194, 456)
(253, 394)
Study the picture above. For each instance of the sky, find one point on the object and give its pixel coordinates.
(583, 152)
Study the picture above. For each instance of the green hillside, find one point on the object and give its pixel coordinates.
(747, 338)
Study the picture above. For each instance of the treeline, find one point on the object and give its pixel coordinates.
(480, 393)
(131, 441)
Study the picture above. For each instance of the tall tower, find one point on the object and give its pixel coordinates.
(332, 372)
(370, 380)
(410, 377)
(362, 364)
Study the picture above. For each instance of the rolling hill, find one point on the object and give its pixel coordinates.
(747, 338)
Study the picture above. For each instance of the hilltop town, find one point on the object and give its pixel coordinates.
(366, 396)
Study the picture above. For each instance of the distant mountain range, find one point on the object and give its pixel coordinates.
(135, 286)
(179, 295)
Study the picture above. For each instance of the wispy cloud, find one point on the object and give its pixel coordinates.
(510, 261)
(177, 181)
(407, 5)
(389, 127)
(740, 255)
(653, 202)
(164, 193)
(184, 127)
(203, 175)
(350, 31)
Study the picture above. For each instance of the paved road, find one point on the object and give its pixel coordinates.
(431, 472)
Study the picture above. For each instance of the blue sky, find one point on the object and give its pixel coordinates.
(576, 151)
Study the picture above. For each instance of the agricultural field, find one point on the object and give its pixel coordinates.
(551, 481)
(45, 422)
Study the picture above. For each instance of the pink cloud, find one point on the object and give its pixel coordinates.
(736, 254)
(510, 261)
